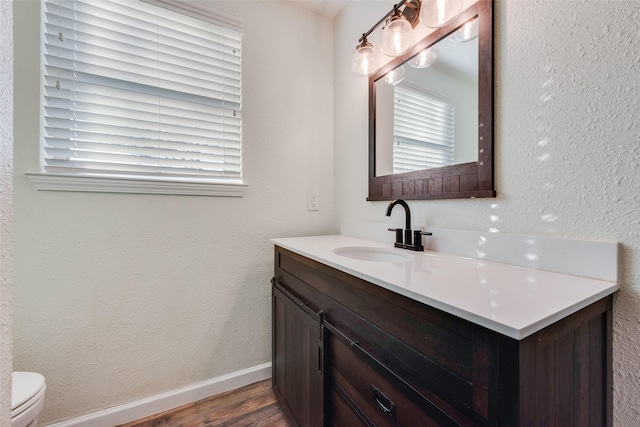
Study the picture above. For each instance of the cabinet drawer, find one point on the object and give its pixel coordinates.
(420, 372)
(375, 395)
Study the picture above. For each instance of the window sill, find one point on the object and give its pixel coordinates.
(109, 184)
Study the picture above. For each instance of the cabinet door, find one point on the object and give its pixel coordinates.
(297, 358)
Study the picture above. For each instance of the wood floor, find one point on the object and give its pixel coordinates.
(253, 405)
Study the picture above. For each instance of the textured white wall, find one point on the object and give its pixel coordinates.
(567, 143)
(119, 297)
(6, 205)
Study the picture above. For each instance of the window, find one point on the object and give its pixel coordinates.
(139, 95)
(423, 129)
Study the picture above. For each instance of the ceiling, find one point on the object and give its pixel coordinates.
(330, 8)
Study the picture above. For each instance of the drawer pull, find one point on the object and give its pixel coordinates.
(386, 405)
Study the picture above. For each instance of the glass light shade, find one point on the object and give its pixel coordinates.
(468, 31)
(425, 58)
(397, 36)
(364, 61)
(436, 13)
(395, 76)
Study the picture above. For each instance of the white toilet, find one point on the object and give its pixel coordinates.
(27, 398)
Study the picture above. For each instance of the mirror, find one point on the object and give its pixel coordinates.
(431, 132)
(428, 118)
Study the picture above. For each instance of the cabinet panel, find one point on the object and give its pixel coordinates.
(297, 361)
(565, 371)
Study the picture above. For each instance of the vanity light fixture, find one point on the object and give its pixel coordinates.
(364, 61)
(397, 35)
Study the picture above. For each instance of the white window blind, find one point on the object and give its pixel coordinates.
(423, 129)
(132, 89)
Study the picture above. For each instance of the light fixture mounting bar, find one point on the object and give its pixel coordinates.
(384, 18)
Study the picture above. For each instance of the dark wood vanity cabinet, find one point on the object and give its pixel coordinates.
(347, 353)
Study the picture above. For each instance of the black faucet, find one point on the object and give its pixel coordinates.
(410, 239)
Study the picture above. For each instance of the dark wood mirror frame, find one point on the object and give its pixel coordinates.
(466, 180)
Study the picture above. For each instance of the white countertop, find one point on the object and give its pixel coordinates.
(515, 301)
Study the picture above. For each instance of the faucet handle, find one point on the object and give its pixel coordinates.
(398, 234)
(417, 238)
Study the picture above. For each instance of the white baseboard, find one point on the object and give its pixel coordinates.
(163, 402)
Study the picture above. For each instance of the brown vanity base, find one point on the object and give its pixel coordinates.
(347, 352)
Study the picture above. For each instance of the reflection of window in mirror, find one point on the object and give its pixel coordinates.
(451, 75)
(423, 129)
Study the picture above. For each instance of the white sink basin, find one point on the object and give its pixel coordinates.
(365, 253)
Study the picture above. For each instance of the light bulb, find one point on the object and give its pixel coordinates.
(425, 58)
(364, 61)
(468, 31)
(436, 13)
(395, 76)
(397, 36)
